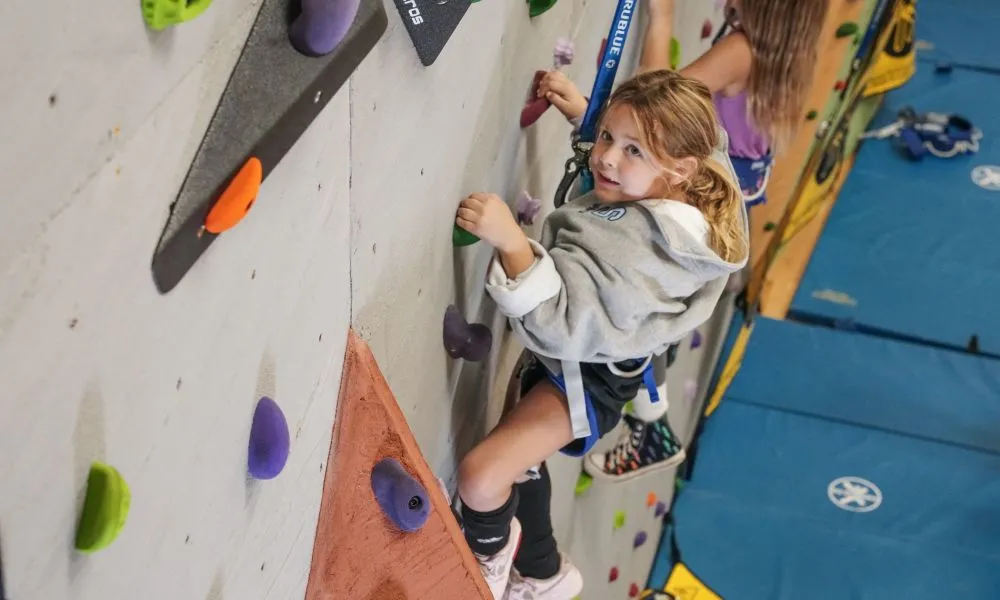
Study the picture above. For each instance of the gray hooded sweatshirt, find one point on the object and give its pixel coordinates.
(612, 282)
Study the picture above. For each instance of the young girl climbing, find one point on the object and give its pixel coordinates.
(759, 70)
(620, 273)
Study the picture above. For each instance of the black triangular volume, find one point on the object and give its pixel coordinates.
(430, 24)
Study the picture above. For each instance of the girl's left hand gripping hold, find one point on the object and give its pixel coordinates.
(489, 217)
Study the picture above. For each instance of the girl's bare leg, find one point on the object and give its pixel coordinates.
(536, 428)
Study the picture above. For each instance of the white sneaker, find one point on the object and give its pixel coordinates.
(496, 569)
(564, 585)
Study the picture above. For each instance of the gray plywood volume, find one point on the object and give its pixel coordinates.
(272, 96)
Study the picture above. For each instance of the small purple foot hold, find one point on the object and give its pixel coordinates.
(527, 208)
(690, 390)
(401, 497)
(322, 25)
(269, 441)
(640, 539)
(562, 54)
(661, 509)
(462, 340)
(695, 339)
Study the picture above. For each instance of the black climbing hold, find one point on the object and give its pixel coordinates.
(401, 497)
(811, 115)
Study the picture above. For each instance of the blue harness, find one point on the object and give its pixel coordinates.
(753, 175)
(939, 134)
(581, 446)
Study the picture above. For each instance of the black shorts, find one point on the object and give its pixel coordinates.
(609, 393)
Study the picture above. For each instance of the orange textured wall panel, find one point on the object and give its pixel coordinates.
(359, 554)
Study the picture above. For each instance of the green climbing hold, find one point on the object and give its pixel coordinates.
(675, 53)
(619, 519)
(160, 14)
(461, 237)
(846, 29)
(769, 226)
(104, 509)
(537, 7)
(811, 115)
(583, 483)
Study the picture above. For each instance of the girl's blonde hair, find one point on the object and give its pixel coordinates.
(676, 119)
(783, 36)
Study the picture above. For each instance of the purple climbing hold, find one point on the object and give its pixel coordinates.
(403, 500)
(269, 441)
(661, 509)
(640, 539)
(527, 208)
(690, 390)
(322, 25)
(462, 340)
(695, 339)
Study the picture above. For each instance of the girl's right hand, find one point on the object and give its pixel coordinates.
(562, 94)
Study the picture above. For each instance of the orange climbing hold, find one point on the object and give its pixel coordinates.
(651, 500)
(238, 197)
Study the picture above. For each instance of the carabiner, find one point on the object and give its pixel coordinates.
(574, 166)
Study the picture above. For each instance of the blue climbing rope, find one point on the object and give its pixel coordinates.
(583, 139)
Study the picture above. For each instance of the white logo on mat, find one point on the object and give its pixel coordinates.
(987, 177)
(854, 494)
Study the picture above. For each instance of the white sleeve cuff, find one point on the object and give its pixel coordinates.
(517, 297)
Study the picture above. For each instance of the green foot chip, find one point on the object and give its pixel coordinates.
(104, 509)
(160, 14)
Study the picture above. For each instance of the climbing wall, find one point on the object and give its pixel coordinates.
(351, 228)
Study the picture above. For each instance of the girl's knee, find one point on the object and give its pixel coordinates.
(480, 484)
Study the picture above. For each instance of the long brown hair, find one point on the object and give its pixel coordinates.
(783, 36)
(676, 119)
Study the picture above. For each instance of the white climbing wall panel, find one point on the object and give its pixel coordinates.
(99, 119)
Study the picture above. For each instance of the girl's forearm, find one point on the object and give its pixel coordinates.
(656, 42)
(517, 257)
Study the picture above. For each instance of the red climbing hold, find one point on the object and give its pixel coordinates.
(613, 576)
(535, 106)
(633, 591)
(839, 86)
(706, 29)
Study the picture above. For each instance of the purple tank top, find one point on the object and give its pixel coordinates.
(744, 140)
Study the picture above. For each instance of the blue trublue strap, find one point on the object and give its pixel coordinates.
(605, 80)
(609, 67)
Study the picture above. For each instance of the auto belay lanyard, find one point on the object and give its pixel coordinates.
(583, 137)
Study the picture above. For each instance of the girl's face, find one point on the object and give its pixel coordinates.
(623, 169)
